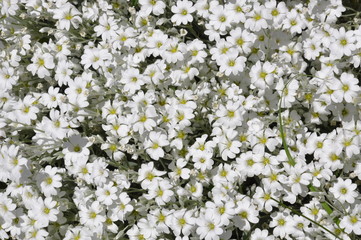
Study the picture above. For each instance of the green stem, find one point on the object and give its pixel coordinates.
(291, 161)
(309, 219)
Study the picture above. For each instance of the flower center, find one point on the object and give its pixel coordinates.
(77, 148)
(243, 214)
(93, 215)
(150, 176)
(49, 180)
(343, 191)
(353, 219)
(41, 62)
(343, 42)
(257, 17)
(182, 221)
(211, 226)
(250, 162)
(230, 114)
(231, 63)
(274, 12)
(281, 222)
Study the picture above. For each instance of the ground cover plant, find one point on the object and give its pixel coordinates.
(161, 119)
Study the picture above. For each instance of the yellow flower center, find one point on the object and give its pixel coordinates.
(49, 180)
(77, 148)
(93, 215)
(68, 16)
(274, 12)
(182, 221)
(161, 218)
(240, 41)
(223, 173)
(243, 214)
(143, 118)
(46, 210)
(211, 226)
(353, 219)
(257, 17)
(150, 176)
(84, 170)
(281, 222)
(250, 162)
(263, 75)
(230, 114)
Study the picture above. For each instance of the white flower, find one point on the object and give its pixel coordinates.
(152, 6)
(282, 223)
(243, 40)
(179, 169)
(232, 63)
(41, 64)
(8, 77)
(182, 12)
(209, 226)
(352, 221)
(93, 215)
(246, 213)
(344, 190)
(263, 198)
(50, 181)
(202, 160)
(257, 18)
(312, 48)
(121, 207)
(345, 89)
(132, 79)
(220, 18)
(160, 191)
(262, 74)
(147, 175)
(294, 22)
(106, 194)
(67, 15)
(25, 110)
(343, 43)
(261, 234)
(46, 210)
(76, 147)
(95, 57)
(107, 28)
(154, 143)
(182, 222)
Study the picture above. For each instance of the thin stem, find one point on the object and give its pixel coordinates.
(309, 219)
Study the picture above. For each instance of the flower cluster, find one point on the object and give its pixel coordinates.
(160, 119)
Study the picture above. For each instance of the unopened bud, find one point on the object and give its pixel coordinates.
(183, 32)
